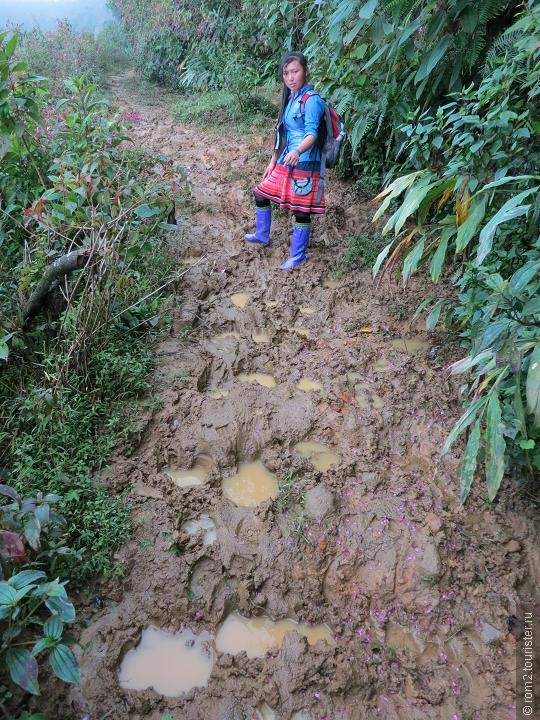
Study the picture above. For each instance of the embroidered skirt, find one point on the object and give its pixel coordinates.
(295, 191)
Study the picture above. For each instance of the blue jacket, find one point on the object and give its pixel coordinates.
(297, 128)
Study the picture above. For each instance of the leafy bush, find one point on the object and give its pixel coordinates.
(81, 215)
(477, 195)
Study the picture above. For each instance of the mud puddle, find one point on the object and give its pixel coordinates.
(258, 636)
(169, 664)
(252, 485)
(377, 547)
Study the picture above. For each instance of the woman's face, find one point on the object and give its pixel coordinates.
(294, 75)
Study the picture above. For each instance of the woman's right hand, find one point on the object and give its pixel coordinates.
(271, 166)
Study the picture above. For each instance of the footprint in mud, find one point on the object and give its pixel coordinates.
(195, 477)
(412, 345)
(301, 331)
(205, 577)
(257, 636)
(170, 664)
(252, 485)
(307, 385)
(204, 524)
(321, 457)
(240, 300)
(263, 379)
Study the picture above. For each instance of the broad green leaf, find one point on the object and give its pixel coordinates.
(505, 180)
(510, 210)
(393, 190)
(367, 10)
(375, 57)
(492, 332)
(43, 644)
(32, 531)
(410, 263)
(434, 315)
(495, 446)
(64, 664)
(380, 258)
(23, 669)
(423, 305)
(145, 211)
(519, 410)
(9, 492)
(532, 388)
(53, 628)
(532, 307)
(467, 229)
(523, 276)
(61, 608)
(430, 61)
(8, 595)
(465, 364)
(469, 461)
(11, 44)
(464, 421)
(410, 205)
(23, 592)
(4, 348)
(5, 144)
(26, 577)
(437, 261)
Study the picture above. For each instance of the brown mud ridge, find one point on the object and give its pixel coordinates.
(410, 599)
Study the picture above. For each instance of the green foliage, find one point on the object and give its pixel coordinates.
(220, 108)
(33, 615)
(77, 358)
(361, 251)
(54, 53)
(473, 199)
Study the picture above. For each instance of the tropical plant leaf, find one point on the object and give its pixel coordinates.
(430, 61)
(532, 388)
(23, 669)
(495, 446)
(523, 276)
(469, 462)
(464, 421)
(64, 664)
(510, 210)
(410, 263)
(26, 577)
(53, 628)
(468, 229)
(381, 257)
(437, 261)
(434, 315)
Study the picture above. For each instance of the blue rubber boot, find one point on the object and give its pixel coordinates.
(263, 221)
(299, 243)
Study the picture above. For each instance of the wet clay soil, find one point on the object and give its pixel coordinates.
(418, 594)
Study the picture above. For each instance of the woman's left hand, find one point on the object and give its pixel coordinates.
(291, 158)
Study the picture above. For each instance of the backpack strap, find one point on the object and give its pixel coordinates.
(305, 97)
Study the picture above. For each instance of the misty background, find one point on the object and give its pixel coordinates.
(88, 15)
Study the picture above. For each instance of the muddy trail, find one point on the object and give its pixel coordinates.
(343, 518)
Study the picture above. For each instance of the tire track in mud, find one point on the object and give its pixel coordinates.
(419, 594)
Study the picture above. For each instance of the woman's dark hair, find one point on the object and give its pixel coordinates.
(285, 60)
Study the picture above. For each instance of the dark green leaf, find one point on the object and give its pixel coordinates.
(23, 669)
(32, 531)
(434, 314)
(439, 256)
(145, 211)
(469, 461)
(26, 577)
(464, 421)
(430, 61)
(64, 664)
(467, 229)
(53, 628)
(495, 446)
(523, 276)
(532, 388)
(8, 595)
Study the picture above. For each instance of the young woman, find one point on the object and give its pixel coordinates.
(291, 179)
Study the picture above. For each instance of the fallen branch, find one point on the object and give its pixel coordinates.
(64, 265)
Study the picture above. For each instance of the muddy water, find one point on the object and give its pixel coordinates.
(170, 664)
(257, 636)
(412, 345)
(240, 300)
(198, 475)
(263, 379)
(203, 524)
(252, 485)
(307, 385)
(386, 553)
(321, 457)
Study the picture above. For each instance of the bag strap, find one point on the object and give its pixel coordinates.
(305, 97)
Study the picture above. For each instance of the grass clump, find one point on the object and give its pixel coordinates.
(219, 110)
(361, 251)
